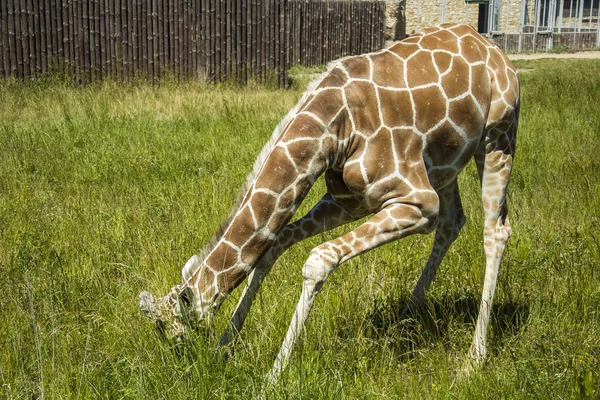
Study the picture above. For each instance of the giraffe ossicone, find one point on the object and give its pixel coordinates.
(390, 130)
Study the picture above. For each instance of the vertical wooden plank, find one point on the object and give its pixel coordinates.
(122, 35)
(228, 25)
(290, 26)
(186, 39)
(199, 72)
(225, 39)
(24, 38)
(80, 72)
(96, 60)
(64, 35)
(102, 37)
(285, 34)
(283, 10)
(97, 41)
(134, 37)
(130, 37)
(302, 38)
(124, 40)
(210, 55)
(51, 32)
(154, 35)
(176, 38)
(251, 49)
(112, 39)
(47, 37)
(144, 38)
(335, 33)
(206, 33)
(193, 24)
(66, 44)
(275, 35)
(290, 20)
(160, 35)
(146, 29)
(31, 38)
(191, 39)
(315, 33)
(73, 39)
(205, 25)
(85, 36)
(3, 40)
(118, 40)
(237, 40)
(274, 42)
(143, 65)
(243, 4)
(257, 13)
(312, 32)
(19, 39)
(108, 22)
(221, 49)
(55, 8)
(37, 28)
(266, 38)
(183, 36)
(301, 23)
(12, 42)
(169, 32)
(92, 37)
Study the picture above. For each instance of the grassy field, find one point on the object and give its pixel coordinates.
(108, 190)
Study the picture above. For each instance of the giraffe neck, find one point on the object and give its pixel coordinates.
(272, 193)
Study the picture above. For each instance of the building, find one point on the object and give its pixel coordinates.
(495, 17)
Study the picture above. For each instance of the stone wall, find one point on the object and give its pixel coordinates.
(405, 17)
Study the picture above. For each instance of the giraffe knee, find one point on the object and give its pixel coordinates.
(318, 266)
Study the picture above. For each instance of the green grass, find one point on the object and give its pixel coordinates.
(108, 190)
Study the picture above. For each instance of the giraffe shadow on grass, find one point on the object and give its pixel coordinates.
(433, 321)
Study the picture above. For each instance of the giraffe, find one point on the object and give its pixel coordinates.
(390, 131)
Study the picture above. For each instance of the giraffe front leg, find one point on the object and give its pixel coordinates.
(393, 222)
(451, 220)
(325, 215)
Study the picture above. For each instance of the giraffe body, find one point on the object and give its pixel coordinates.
(391, 131)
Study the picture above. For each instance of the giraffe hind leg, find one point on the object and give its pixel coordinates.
(494, 166)
(451, 220)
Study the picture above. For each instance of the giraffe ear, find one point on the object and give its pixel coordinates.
(187, 305)
(190, 267)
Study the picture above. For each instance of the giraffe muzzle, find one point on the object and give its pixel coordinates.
(148, 305)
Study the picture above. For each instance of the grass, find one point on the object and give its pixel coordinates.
(107, 190)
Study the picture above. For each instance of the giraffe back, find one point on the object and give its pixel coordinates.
(412, 115)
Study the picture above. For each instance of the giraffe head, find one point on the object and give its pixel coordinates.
(184, 308)
(165, 312)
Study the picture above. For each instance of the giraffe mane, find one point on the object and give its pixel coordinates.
(190, 268)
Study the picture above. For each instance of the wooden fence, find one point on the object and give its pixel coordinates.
(211, 39)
